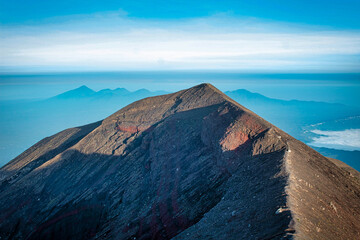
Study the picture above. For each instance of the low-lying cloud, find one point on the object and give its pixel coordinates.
(344, 140)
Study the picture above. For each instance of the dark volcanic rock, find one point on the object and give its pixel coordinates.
(189, 165)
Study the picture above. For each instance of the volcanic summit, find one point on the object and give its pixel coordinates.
(189, 165)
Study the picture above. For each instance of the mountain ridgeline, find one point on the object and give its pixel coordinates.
(188, 165)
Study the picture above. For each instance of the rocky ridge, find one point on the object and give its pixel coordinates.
(188, 165)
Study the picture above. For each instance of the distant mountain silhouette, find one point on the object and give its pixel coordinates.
(109, 94)
(84, 92)
(81, 92)
(193, 164)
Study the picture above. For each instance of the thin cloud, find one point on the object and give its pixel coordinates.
(115, 41)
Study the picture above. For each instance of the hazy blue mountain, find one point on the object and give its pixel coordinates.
(81, 92)
(108, 93)
(84, 92)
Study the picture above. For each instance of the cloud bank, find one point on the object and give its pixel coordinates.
(113, 41)
(344, 140)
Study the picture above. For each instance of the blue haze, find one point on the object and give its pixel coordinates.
(336, 88)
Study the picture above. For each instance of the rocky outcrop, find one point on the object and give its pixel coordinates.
(189, 165)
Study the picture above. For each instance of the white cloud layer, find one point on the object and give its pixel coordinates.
(344, 140)
(113, 41)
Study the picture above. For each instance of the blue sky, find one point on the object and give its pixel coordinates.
(267, 35)
(334, 13)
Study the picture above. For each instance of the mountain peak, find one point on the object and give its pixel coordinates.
(80, 92)
(207, 87)
(188, 165)
(83, 87)
(200, 96)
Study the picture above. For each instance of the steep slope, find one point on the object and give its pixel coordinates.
(351, 171)
(189, 165)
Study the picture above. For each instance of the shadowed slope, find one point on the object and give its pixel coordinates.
(43, 151)
(188, 165)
